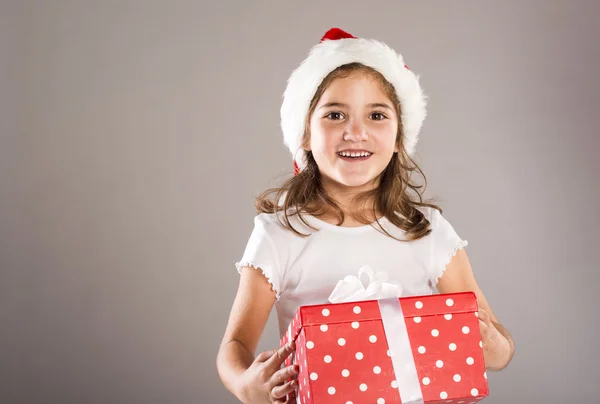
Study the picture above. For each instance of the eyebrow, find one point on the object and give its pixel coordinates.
(342, 105)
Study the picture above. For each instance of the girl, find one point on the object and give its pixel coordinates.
(351, 115)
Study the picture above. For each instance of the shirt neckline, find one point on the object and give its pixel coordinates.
(345, 229)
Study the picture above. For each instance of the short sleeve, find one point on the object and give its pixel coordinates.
(261, 254)
(443, 244)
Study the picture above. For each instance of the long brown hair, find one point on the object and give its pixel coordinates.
(304, 193)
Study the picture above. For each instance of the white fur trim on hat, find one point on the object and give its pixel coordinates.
(331, 54)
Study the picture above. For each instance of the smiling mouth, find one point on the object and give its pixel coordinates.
(354, 156)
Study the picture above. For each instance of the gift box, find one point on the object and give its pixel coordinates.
(419, 349)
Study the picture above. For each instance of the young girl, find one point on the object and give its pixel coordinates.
(351, 115)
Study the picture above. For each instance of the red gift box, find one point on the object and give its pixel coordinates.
(344, 356)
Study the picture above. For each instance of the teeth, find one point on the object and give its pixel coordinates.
(354, 154)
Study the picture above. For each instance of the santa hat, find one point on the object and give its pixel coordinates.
(339, 48)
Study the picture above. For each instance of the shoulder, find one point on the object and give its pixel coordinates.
(440, 228)
(431, 214)
(437, 221)
(265, 220)
(433, 217)
(270, 221)
(267, 224)
(275, 224)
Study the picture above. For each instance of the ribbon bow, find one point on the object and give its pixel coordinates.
(377, 286)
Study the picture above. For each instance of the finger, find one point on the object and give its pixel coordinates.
(263, 356)
(484, 316)
(282, 375)
(484, 331)
(275, 361)
(279, 392)
(288, 399)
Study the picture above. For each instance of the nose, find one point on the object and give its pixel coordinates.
(355, 131)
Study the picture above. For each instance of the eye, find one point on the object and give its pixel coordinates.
(378, 116)
(336, 116)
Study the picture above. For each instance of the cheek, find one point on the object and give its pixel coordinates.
(386, 136)
(323, 138)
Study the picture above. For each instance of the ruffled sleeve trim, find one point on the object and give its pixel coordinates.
(242, 264)
(440, 271)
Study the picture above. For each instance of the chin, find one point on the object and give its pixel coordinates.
(356, 181)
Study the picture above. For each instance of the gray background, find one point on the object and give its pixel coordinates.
(135, 135)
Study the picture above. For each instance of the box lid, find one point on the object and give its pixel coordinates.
(368, 310)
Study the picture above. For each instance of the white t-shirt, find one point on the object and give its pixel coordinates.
(305, 270)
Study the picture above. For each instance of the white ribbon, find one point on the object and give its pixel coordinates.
(352, 289)
(403, 361)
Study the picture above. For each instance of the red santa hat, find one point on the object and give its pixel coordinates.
(335, 49)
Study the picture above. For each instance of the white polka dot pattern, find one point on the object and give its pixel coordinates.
(344, 357)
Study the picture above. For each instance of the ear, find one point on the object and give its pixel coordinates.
(306, 142)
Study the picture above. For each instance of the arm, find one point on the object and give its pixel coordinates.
(249, 314)
(498, 345)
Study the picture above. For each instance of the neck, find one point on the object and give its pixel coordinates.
(344, 196)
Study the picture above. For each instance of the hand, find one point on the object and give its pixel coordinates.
(496, 347)
(265, 382)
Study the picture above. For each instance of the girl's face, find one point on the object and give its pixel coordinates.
(353, 133)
